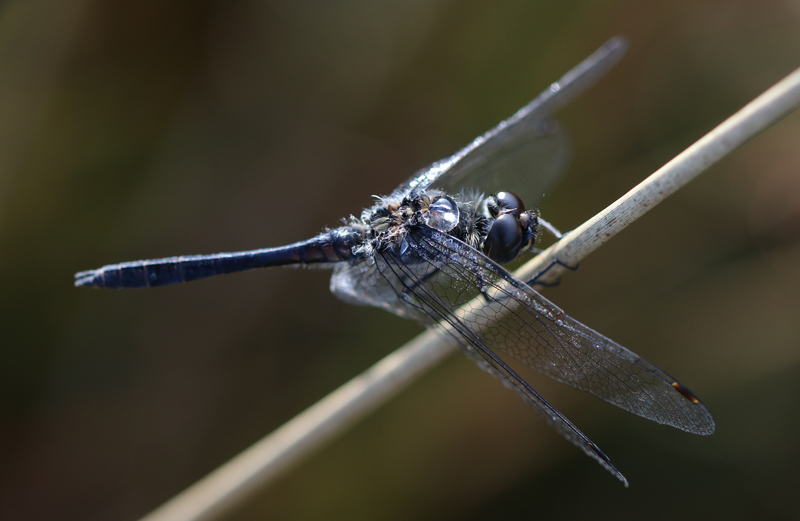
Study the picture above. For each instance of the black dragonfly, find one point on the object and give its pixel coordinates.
(432, 251)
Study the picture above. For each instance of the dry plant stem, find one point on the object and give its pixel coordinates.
(221, 491)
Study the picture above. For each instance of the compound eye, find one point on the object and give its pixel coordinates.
(511, 202)
(504, 239)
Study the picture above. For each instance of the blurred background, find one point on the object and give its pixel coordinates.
(145, 129)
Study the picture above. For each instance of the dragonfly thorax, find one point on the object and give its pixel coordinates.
(390, 221)
(499, 226)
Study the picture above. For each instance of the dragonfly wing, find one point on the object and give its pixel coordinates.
(361, 283)
(512, 318)
(528, 157)
(528, 146)
(405, 286)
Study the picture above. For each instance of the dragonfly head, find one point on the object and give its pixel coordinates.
(512, 229)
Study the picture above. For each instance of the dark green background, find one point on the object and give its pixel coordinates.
(153, 128)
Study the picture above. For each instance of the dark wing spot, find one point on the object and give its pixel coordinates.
(685, 392)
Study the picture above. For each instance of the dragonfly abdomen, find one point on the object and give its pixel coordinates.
(331, 246)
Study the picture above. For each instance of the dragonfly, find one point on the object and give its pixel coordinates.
(433, 251)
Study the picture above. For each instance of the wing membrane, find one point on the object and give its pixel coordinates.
(526, 152)
(516, 320)
(416, 297)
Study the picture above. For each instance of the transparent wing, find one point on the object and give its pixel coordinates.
(403, 287)
(528, 151)
(528, 157)
(510, 317)
(363, 283)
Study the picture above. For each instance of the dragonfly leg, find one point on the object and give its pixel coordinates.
(535, 279)
(552, 229)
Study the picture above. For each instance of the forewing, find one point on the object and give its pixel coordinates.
(512, 318)
(528, 151)
(529, 157)
(409, 287)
